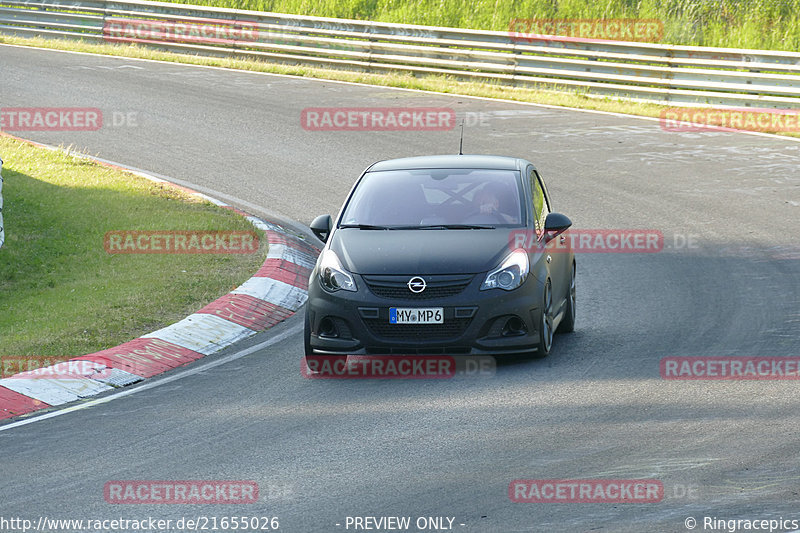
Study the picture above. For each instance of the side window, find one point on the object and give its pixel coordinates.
(540, 210)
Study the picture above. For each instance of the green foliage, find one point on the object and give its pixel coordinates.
(61, 293)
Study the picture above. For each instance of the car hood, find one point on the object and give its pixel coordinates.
(410, 252)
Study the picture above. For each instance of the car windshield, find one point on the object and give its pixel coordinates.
(435, 198)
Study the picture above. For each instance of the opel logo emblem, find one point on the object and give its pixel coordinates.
(416, 284)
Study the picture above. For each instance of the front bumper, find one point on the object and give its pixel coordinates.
(475, 322)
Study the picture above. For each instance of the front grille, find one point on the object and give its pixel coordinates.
(396, 287)
(451, 329)
(414, 350)
(428, 294)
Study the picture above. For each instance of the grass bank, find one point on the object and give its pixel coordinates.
(61, 293)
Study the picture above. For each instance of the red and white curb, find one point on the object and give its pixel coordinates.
(276, 291)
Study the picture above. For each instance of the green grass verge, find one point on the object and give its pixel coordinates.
(62, 293)
(760, 24)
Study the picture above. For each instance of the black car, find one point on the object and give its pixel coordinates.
(448, 254)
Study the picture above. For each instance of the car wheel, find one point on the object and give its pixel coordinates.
(545, 323)
(568, 322)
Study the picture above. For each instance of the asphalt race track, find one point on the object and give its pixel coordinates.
(323, 450)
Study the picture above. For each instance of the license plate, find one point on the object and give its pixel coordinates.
(416, 315)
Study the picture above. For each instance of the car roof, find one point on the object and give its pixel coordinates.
(495, 162)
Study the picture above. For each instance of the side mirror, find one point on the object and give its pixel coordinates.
(555, 224)
(322, 226)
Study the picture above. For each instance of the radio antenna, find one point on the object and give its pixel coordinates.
(461, 142)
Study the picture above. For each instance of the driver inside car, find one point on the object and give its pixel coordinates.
(488, 202)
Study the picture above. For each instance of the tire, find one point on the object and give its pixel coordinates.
(307, 335)
(567, 324)
(545, 343)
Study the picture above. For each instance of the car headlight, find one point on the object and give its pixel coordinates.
(511, 272)
(332, 276)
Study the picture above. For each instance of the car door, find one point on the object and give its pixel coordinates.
(540, 267)
(555, 254)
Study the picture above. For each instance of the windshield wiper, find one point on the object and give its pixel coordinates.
(429, 226)
(365, 226)
(452, 226)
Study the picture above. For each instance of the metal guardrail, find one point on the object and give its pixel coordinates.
(633, 70)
